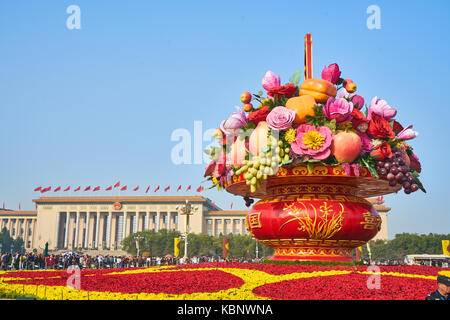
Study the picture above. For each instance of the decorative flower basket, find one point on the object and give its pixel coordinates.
(312, 153)
(318, 215)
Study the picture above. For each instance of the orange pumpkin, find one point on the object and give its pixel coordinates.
(320, 89)
(303, 106)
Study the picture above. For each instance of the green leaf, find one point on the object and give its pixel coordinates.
(208, 152)
(310, 166)
(416, 177)
(260, 93)
(296, 77)
(369, 165)
(332, 125)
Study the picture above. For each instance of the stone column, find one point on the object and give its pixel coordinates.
(124, 231)
(86, 236)
(108, 230)
(33, 232)
(112, 236)
(66, 231)
(158, 220)
(70, 238)
(77, 229)
(147, 220)
(101, 231)
(97, 227)
(58, 217)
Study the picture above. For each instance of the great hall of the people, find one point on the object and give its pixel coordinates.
(100, 223)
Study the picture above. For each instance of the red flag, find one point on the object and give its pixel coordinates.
(57, 189)
(20, 207)
(67, 189)
(200, 189)
(123, 188)
(109, 188)
(188, 188)
(77, 189)
(96, 188)
(46, 189)
(231, 206)
(136, 189)
(87, 188)
(117, 184)
(167, 188)
(179, 187)
(157, 189)
(38, 189)
(148, 188)
(35, 206)
(214, 204)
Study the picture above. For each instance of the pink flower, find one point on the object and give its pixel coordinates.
(220, 165)
(358, 101)
(331, 73)
(339, 109)
(366, 142)
(407, 133)
(234, 122)
(381, 108)
(280, 118)
(313, 142)
(270, 80)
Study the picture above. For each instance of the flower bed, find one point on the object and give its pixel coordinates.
(236, 281)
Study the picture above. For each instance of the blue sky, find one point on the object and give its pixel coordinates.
(99, 104)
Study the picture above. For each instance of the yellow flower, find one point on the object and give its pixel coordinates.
(313, 139)
(290, 135)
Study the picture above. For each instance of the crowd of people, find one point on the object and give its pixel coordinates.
(34, 261)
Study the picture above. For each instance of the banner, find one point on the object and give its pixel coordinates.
(176, 247)
(358, 253)
(226, 248)
(446, 247)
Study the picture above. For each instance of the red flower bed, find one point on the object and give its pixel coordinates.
(156, 282)
(348, 287)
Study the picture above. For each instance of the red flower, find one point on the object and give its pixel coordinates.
(382, 151)
(259, 115)
(358, 119)
(397, 127)
(380, 128)
(287, 90)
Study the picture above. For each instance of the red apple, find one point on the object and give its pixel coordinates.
(247, 107)
(246, 97)
(346, 146)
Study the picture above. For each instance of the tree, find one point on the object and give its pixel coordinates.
(8, 243)
(404, 244)
(162, 242)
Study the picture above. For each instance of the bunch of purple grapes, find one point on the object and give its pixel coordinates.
(396, 171)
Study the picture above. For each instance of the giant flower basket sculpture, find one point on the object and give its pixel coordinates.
(312, 153)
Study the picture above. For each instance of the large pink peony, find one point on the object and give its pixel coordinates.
(339, 109)
(381, 108)
(312, 141)
(280, 118)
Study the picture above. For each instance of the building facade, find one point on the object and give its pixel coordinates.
(100, 223)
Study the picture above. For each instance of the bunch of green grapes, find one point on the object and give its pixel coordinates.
(258, 168)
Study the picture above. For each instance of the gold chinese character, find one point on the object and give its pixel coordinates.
(254, 221)
(370, 222)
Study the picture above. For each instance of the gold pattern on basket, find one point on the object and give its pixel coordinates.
(300, 171)
(319, 227)
(302, 242)
(254, 220)
(332, 252)
(313, 188)
(370, 221)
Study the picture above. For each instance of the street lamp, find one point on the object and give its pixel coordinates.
(138, 239)
(187, 210)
